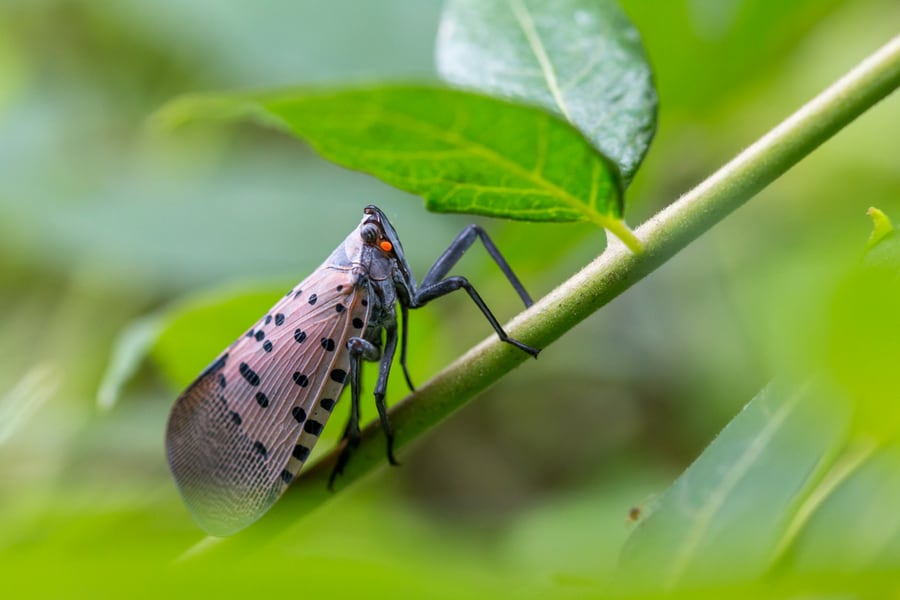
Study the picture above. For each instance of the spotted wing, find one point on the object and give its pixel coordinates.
(238, 435)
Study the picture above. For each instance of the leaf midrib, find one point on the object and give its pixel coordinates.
(719, 495)
(526, 23)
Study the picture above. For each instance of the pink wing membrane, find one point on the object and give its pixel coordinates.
(240, 433)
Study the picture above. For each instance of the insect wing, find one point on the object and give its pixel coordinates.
(238, 435)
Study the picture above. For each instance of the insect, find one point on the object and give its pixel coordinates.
(238, 435)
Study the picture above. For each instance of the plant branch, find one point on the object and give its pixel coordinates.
(613, 272)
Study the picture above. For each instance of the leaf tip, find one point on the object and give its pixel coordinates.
(189, 108)
(881, 227)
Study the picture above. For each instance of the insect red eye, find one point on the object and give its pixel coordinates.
(386, 246)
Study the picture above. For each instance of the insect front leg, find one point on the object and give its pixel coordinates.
(436, 283)
(458, 247)
(360, 350)
(425, 294)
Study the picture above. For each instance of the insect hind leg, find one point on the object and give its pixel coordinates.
(384, 370)
(404, 336)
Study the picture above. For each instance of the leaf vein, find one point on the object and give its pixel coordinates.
(540, 53)
(455, 138)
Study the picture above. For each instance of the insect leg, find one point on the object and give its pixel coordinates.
(425, 294)
(359, 350)
(404, 324)
(384, 370)
(458, 247)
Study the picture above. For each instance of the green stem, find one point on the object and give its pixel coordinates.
(613, 272)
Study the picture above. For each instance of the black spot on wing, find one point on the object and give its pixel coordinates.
(301, 453)
(313, 427)
(261, 449)
(299, 414)
(327, 403)
(287, 476)
(259, 335)
(338, 375)
(301, 379)
(267, 346)
(279, 319)
(328, 344)
(357, 323)
(300, 336)
(262, 399)
(248, 374)
(312, 299)
(216, 366)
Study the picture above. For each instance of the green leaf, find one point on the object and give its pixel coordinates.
(881, 227)
(857, 526)
(581, 59)
(862, 343)
(728, 517)
(129, 351)
(460, 151)
(883, 246)
(801, 482)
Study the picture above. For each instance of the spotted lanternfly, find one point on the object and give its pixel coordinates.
(238, 435)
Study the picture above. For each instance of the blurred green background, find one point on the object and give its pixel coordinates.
(103, 221)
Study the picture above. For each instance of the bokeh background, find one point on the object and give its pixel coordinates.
(105, 220)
